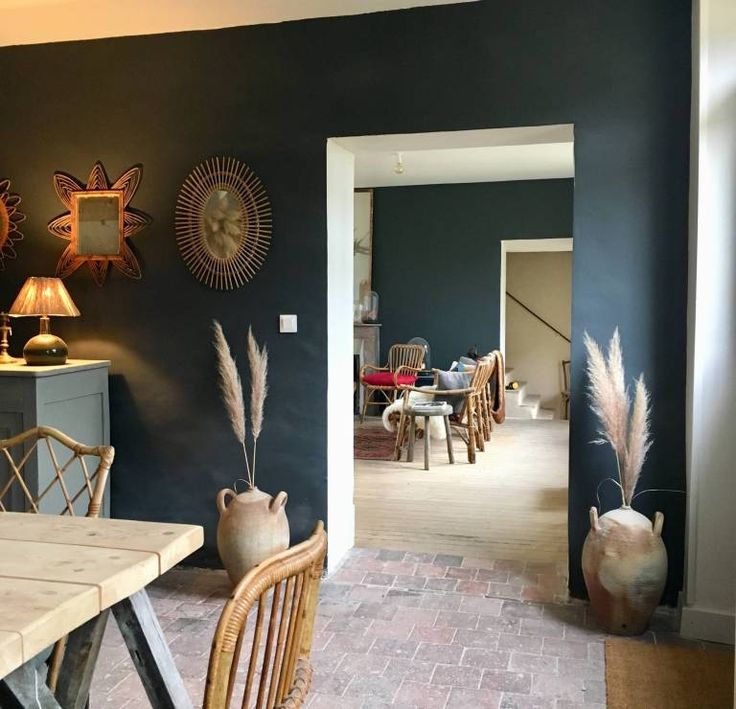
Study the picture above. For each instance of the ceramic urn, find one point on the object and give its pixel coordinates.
(252, 527)
(625, 568)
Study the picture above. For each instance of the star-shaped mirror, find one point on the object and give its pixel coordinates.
(99, 223)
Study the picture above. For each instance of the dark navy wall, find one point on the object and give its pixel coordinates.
(437, 256)
(271, 96)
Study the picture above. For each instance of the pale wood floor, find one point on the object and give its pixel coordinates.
(512, 504)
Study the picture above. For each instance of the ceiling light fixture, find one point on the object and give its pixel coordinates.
(399, 166)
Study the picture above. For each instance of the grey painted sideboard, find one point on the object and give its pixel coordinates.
(73, 398)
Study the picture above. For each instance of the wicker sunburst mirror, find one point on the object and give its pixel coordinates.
(99, 223)
(223, 223)
(10, 217)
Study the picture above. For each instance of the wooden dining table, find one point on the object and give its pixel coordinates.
(61, 577)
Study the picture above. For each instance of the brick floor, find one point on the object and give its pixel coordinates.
(404, 630)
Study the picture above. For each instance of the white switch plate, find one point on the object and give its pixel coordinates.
(287, 323)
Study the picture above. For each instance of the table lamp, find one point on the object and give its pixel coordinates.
(44, 297)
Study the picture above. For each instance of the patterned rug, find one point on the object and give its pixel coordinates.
(374, 443)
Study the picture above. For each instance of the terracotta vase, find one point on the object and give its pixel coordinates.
(252, 527)
(625, 568)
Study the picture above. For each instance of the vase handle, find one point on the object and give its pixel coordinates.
(594, 524)
(658, 523)
(222, 496)
(278, 502)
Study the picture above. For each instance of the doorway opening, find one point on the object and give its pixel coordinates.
(502, 506)
(535, 317)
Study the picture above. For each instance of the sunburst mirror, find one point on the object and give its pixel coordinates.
(223, 223)
(99, 223)
(10, 217)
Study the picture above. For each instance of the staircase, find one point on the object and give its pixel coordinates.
(522, 405)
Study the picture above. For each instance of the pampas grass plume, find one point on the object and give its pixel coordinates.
(639, 439)
(231, 387)
(629, 436)
(258, 359)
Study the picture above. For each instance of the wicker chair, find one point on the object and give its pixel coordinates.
(285, 589)
(493, 399)
(70, 482)
(470, 420)
(404, 361)
(15, 494)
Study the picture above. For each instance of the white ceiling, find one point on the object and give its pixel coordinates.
(493, 155)
(37, 21)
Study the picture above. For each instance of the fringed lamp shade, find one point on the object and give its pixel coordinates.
(44, 297)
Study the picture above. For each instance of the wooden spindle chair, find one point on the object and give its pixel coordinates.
(72, 477)
(404, 363)
(282, 593)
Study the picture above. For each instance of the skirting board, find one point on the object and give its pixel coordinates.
(707, 624)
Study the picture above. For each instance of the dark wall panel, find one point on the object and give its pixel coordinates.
(272, 95)
(437, 256)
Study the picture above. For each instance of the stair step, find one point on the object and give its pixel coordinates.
(532, 401)
(521, 405)
(517, 395)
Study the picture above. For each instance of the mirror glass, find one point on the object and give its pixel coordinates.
(223, 224)
(98, 224)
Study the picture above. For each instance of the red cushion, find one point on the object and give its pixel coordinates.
(386, 379)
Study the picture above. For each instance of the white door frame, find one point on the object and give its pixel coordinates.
(341, 155)
(523, 246)
(340, 465)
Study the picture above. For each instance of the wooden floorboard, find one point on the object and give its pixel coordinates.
(512, 504)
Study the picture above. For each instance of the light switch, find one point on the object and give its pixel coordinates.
(287, 323)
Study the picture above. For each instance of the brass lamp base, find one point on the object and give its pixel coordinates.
(45, 349)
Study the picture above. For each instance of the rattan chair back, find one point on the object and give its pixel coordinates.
(271, 611)
(64, 485)
(402, 355)
(68, 476)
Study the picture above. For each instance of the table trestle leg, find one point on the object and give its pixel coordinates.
(150, 652)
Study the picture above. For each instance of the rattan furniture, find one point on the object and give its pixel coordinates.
(70, 480)
(282, 593)
(469, 419)
(493, 398)
(404, 362)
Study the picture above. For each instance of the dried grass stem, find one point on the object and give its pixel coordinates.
(231, 389)
(625, 428)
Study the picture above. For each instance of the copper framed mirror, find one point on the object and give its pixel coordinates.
(99, 222)
(223, 223)
(10, 218)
